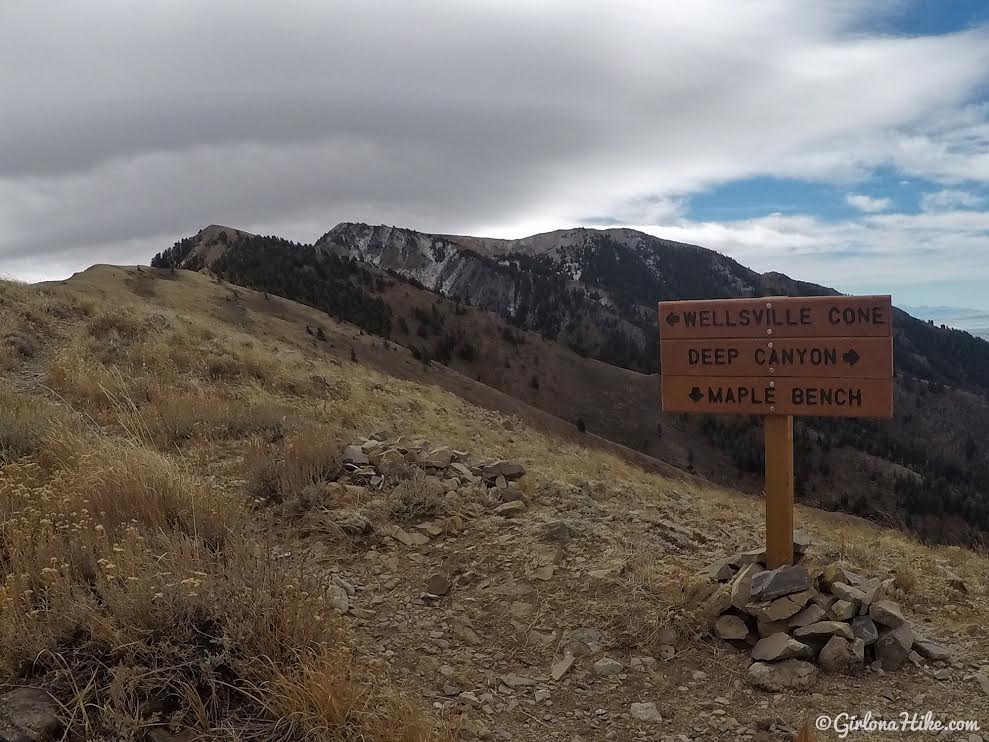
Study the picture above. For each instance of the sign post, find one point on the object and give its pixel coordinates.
(778, 436)
(826, 356)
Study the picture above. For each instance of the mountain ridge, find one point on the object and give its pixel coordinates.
(594, 296)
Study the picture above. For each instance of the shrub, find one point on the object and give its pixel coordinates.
(123, 484)
(414, 500)
(21, 344)
(222, 368)
(22, 426)
(293, 471)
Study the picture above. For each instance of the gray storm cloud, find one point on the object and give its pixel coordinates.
(127, 125)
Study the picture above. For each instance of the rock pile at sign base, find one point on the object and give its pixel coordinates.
(799, 620)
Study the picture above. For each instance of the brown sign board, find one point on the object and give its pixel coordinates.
(813, 316)
(756, 395)
(826, 356)
(859, 358)
(821, 356)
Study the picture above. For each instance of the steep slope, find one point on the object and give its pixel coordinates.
(583, 289)
(186, 599)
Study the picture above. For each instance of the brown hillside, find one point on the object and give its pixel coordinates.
(184, 548)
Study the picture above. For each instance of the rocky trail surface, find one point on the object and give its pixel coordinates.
(533, 611)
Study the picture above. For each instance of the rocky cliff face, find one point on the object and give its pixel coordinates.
(595, 290)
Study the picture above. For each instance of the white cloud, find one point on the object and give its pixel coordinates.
(468, 117)
(887, 249)
(868, 204)
(948, 199)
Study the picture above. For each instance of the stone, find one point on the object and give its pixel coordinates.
(556, 532)
(836, 657)
(393, 464)
(772, 584)
(848, 593)
(645, 664)
(607, 666)
(507, 469)
(741, 586)
(854, 579)
(510, 508)
(776, 677)
(872, 594)
(582, 641)
(355, 455)
(780, 647)
(438, 458)
(519, 681)
(544, 573)
(560, 668)
(824, 630)
(858, 652)
(541, 694)
(354, 524)
(810, 614)
(887, 613)
(408, 539)
(745, 558)
(833, 573)
(438, 584)
(955, 582)
(462, 471)
(843, 610)
(781, 608)
(509, 495)
(864, 628)
(982, 678)
(893, 647)
(730, 627)
(645, 712)
(801, 543)
(824, 600)
(768, 628)
(28, 715)
(931, 650)
(719, 571)
(717, 602)
(470, 698)
(338, 598)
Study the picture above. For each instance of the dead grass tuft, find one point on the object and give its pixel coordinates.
(180, 417)
(21, 344)
(23, 424)
(326, 693)
(122, 484)
(415, 500)
(653, 599)
(293, 471)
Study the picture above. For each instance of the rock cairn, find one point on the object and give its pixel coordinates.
(380, 457)
(798, 619)
(381, 460)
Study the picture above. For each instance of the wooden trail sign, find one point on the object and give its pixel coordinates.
(825, 356)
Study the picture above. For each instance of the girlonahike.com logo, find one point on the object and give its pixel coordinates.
(844, 724)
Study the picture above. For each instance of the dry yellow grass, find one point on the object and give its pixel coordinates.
(134, 587)
(140, 447)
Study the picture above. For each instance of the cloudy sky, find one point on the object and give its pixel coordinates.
(842, 142)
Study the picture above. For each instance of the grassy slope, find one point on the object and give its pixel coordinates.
(149, 582)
